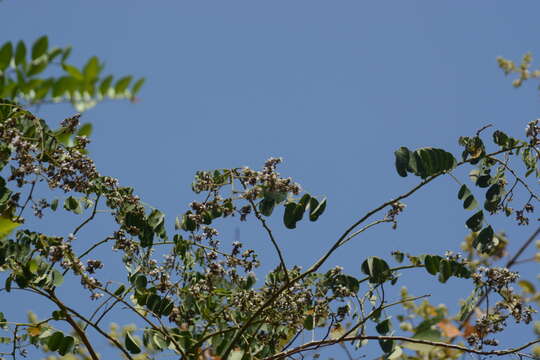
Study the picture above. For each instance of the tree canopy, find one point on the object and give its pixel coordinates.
(195, 296)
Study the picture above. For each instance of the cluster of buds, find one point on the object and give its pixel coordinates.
(495, 278)
(532, 131)
(396, 209)
(268, 180)
(70, 124)
(93, 265)
(521, 218)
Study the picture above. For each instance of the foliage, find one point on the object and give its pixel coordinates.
(203, 301)
(22, 77)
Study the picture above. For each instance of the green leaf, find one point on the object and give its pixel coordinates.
(33, 265)
(309, 322)
(386, 345)
(66, 54)
(91, 69)
(120, 290)
(36, 68)
(73, 205)
(527, 287)
(188, 224)
(445, 270)
(384, 327)
(470, 203)
(6, 52)
(122, 84)
(66, 346)
(475, 222)
(429, 335)
(468, 305)
(54, 204)
(165, 307)
(500, 138)
(483, 181)
(137, 86)
(266, 206)
(493, 192)
(56, 278)
(318, 210)
(289, 218)
(7, 225)
(54, 53)
(20, 54)
(484, 241)
(54, 341)
(40, 47)
(153, 302)
(2, 321)
(105, 85)
(402, 160)
(377, 269)
(73, 71)
(396, 353)
(425, 162)
(131, 345)
(432, 264)
(85, 130)
(140, 282)
(301, 207)
(463, 192)
(347, 281)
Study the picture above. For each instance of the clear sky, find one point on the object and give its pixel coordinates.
(333, 87)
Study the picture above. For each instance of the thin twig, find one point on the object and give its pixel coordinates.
(314, 344)
(525, 185)
(270, 234)
(272, 239)
(74, 325)
(27, 200)
(89, 218)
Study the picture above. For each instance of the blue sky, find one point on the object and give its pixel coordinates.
(332, 87)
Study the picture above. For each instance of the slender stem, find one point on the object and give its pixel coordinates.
(14, 349)
(74, 325)
(95, 246)
(272, 239)
(89, 250)
(356, 233)
(270, 234)
(89, 218)
(314, 344)
(27, 200)
(518, 179)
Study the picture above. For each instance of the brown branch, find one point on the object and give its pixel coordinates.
(314, 344)
(66, 308)
(74, 325)
(518, 179)
(270, 234)
(27, 200)
(89, 218)
(272, 239)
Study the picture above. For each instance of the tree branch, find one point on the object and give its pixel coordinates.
(315, 344)
(74, 325)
